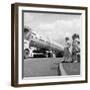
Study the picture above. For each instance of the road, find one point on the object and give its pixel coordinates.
(49, 67)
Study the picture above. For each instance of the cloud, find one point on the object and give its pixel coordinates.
(55, 27)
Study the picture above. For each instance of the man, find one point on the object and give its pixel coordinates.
(67, 53)
(75, 48)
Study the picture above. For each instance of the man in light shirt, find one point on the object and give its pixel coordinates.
(67, 51)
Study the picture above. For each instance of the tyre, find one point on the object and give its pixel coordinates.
(26, 53)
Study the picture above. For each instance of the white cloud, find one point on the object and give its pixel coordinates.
(58, 29)
(54, 28)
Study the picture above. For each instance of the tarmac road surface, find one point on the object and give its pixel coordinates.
(34, 67)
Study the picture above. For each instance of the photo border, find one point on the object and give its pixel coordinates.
(14, 43)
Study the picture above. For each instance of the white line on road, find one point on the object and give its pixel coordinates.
(63, 72)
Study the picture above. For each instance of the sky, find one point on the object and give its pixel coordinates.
(53, 26)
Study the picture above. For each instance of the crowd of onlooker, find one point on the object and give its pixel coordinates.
(72, 49)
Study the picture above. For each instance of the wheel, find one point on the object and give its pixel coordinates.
(26, 53)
